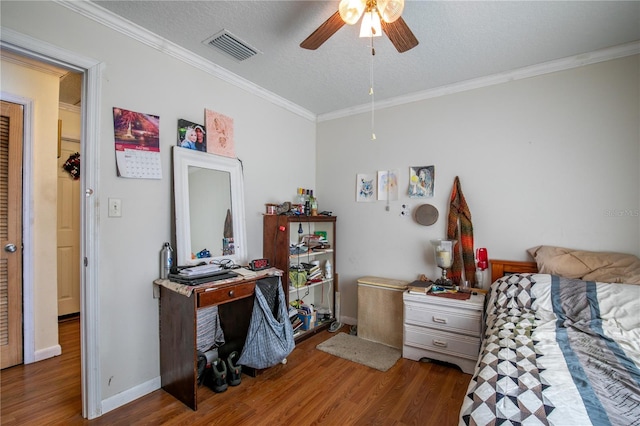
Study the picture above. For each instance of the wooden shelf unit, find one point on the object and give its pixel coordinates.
(279, 232)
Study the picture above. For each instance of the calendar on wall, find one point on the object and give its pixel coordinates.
(137, 144)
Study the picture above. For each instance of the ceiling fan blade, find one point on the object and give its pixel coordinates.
(324, 31)
(400, 35)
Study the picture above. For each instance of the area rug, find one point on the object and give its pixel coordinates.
(353, 348)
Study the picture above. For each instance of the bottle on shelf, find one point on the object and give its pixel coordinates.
(328, 270)
(313, 204)
(307, 203)
(300, 200)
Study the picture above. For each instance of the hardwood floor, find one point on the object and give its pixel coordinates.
(312, 388)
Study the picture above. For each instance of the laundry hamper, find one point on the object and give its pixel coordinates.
(380, 310)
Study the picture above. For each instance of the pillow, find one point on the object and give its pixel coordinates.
(587, 265)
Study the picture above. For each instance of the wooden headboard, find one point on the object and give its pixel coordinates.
(500, 268)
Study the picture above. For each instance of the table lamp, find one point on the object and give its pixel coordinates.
(444, 259)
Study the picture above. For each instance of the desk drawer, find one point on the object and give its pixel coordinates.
(225, 294)
(449, 319)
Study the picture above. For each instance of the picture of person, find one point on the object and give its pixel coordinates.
(201, 141)
(421, 182)
(192, 135)
(190, 138)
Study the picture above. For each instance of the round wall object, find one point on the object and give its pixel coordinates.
(426, 214)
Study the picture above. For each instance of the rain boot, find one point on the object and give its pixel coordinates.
(234, 370)
(219, 382)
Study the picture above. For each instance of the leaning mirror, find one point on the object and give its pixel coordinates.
(209, 208)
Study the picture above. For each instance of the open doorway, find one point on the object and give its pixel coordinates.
(35, 170)
(91, 72)
(68, 200)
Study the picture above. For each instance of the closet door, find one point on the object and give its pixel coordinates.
(11, 130)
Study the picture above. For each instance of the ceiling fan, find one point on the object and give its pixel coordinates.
(376, 14)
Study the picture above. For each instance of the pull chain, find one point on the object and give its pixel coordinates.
(371, 93)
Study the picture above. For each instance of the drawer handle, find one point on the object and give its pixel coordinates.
(231, 293)
(439, 320)
(439, 343)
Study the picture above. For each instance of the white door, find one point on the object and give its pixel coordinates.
(68, 233)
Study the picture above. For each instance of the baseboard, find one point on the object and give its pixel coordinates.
(47, 353)
(348, 320)
(129, 395)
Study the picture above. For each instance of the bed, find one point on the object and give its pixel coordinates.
(556, 350)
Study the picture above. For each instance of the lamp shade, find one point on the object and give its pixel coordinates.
(390, 10)
(351, 10)
(444, 252)
(371, 24)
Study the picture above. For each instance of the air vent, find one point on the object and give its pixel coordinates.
(231, 45)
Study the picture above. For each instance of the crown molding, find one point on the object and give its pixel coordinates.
(130, 29)
(69, 107)
(563, 64)
(117, 23)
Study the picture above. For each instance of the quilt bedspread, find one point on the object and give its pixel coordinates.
(557, 351)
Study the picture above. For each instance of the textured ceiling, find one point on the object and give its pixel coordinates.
(459, 41)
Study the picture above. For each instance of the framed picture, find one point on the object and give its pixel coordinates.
(388, 185)
(220, 129)
(365, 188)
(192, 135)
(421, 181)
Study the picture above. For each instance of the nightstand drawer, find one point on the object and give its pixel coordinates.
(443, 318)
(437, 341)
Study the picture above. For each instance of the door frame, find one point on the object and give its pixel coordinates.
(89, 185)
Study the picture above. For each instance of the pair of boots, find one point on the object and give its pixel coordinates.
(225, 372)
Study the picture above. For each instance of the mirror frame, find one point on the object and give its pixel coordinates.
(183, 158)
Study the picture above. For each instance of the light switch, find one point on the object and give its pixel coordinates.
(115, 207)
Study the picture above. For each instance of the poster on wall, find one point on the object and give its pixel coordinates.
(365, 188)
(220, 134)
(137, 144)
(192, 135)
(421, 181)
(388, 185)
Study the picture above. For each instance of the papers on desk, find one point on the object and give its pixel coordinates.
(196, 271)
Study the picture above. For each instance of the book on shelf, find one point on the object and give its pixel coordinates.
(420, 287)
(296, 322)
(310, 267)
(313, 271)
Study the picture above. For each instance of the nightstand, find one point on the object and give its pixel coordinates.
(443, 329)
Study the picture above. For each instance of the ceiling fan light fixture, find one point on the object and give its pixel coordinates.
(371, 26)
(390, 10)
(351, 10)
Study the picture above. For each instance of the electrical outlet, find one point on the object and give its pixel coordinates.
(405, 210)
(115, 207)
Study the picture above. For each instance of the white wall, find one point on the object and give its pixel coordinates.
(71, 121)
(546, 160)
(269, 140)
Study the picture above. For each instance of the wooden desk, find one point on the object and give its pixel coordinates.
(178, 327)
